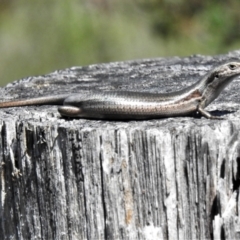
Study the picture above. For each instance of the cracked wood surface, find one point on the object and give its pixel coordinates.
(172, 178)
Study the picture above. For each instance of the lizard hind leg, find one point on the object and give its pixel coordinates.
(70, 111)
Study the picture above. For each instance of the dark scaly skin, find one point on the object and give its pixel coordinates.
(139, 105)
(128, 105)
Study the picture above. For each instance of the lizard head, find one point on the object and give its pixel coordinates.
(218, 79)
(223, 74)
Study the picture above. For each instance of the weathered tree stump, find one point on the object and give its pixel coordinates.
(172, 178)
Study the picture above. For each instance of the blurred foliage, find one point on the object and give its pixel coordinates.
(37, 37)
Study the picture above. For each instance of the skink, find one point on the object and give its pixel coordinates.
(140, 105)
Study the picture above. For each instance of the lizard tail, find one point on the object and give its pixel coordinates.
(47, 100)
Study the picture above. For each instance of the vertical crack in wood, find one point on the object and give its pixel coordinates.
(223, 233)
(236, 178)
(222, 169)
(103, 193)
(174, 139)
(32, 153)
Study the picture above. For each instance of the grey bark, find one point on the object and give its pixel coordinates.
(173, 178)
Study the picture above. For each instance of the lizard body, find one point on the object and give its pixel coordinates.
(141, 105)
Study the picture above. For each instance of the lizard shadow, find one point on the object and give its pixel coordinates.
(221, 113)
(217, 113)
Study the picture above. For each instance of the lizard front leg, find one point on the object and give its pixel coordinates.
(206, 114)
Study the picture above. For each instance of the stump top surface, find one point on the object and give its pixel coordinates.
(147, 75)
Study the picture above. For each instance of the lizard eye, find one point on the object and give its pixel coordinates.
(232, 66)
(216, 75)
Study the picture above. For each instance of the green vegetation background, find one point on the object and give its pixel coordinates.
(37, 37)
